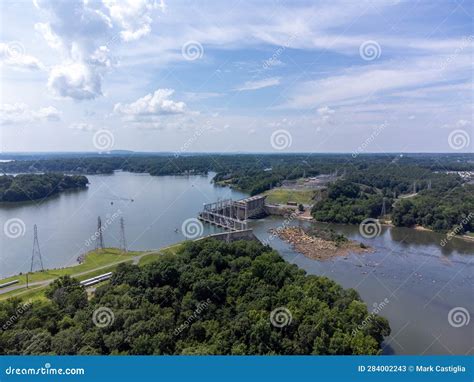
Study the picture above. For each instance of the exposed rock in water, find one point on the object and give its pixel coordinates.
(316, 247)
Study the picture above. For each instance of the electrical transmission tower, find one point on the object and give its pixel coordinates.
(99, 244)
(36, 255)
(123, 241)
(384, 208)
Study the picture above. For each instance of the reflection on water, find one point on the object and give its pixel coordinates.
(427, 238)
(421, 280)
(67, 221)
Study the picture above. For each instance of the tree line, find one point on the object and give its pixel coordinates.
(210, 298)
(25, 187)
(366, 182)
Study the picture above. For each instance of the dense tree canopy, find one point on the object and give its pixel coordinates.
(434, 200)
(366, 180)
(26, 187)
(347, 202)
(211, 298)
(439, 210)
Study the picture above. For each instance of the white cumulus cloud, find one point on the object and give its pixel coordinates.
(12, 54)
(133, 16)
(21, 113)
(153, 104)
(81, 31)
(75, 80)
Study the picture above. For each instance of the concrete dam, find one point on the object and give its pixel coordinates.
(231, 214)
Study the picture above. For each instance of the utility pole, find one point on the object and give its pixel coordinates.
(36, 251)
(384, 211)
(99, 244)
(123, 241)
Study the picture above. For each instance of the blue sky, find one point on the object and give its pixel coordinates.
(266, 76)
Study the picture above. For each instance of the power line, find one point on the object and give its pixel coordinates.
(384, 209)
(99, 244)
(36, 255)
(123, 241)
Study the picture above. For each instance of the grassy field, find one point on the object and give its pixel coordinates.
(36, 293)
(95, 263)
(92, 261)
(152, 256)
(283, 196)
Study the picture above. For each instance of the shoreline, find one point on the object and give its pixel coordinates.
(39, 280)
(48, 198)
(306, 218)
(317, 248)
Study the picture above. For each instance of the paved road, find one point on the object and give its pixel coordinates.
(135, 260)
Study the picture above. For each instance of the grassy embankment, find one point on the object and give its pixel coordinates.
(283, 196)
(95, 263)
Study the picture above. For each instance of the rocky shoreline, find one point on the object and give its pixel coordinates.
(317, 248)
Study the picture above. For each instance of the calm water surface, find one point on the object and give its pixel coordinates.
(67, 221)
(421, 280)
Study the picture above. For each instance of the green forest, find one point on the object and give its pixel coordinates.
(25, 187)
(449, 210)
(417, 188)
(441, 203)
(210, 298)
(348, 202)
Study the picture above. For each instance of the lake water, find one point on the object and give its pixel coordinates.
(415, 280)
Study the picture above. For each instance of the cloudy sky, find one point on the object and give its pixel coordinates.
(266, 76)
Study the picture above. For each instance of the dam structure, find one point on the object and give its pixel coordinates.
(231, 214)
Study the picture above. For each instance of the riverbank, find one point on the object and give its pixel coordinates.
(95, 263)
(318, 248)
(34, 187)
(306, 216)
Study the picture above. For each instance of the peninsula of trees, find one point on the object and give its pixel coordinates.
(417, 189)
(209, 298)
(26, 187)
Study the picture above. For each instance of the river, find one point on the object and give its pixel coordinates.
(414, 281)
